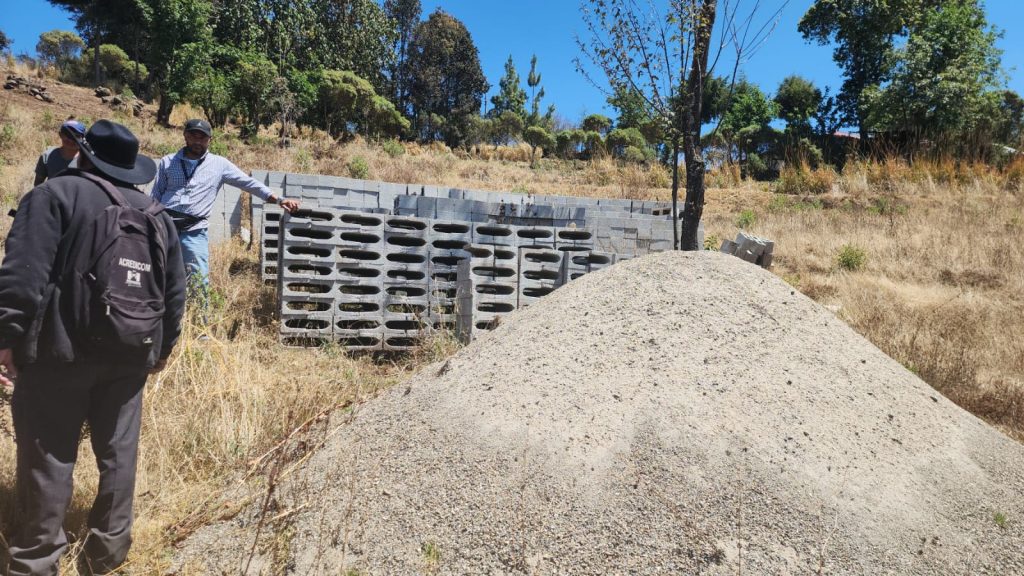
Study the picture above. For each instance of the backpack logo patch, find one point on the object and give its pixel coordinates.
(134, 279)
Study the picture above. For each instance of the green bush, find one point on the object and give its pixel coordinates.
(358, 168)
(851, 258)
(746, 219)
(393, 148)
(636, 155)
(757, 168)
(219, 147)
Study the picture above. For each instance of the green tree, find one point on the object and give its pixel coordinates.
(1010, 121)
(347, 104)
(256, 88)
(405, 14)
(510, 97)
(58, 48)
(353, 35)
(621, 139)
(127, 23)
(745, 124)
(448, 84)
(538, 137)
(536, 95)
(944, 81)
(202, 75)
(568, 142)
(5, 42)
(597, 123)
(181, 23)
(505, 127)
(115, 66)
(798, 101)
(864, 33)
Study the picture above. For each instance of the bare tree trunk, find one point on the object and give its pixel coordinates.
(675, 193)
(96, 63)
(163, 111)
(693, 151)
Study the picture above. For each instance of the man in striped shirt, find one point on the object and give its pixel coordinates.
(187, 183)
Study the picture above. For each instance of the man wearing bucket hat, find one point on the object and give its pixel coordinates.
(69, 360)
(57, 158)
(187, 183)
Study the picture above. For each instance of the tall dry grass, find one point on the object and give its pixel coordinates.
(941, 288)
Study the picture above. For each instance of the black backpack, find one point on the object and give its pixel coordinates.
(113, 285)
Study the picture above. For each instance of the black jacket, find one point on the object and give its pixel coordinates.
(38, 248)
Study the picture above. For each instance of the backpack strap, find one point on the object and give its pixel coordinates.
(154, 208)
(115, 195)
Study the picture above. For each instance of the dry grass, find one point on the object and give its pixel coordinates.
(940, 291)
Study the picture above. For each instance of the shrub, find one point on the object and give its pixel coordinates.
(757, 168)
(358, 168)
(393, 148)
(635, 155)
(219, 147)
(746, 219)
(712, 242)
(804, 180)
(851, 258)
(1013, 175)
(620, 140)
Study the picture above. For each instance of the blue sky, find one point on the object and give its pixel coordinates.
(548, 28)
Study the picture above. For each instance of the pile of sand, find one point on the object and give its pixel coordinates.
(678, 413)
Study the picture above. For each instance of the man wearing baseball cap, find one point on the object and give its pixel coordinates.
(56, 158)
(61, 354)
(187, 183)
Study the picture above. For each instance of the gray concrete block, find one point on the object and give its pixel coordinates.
(494, 234)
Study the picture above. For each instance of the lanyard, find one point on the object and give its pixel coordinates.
(184, 169)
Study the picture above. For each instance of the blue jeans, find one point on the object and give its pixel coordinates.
(195, 251)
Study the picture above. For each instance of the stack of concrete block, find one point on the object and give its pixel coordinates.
(269, 232)
(750, 248)
(307, 286)
(448, 241)
(576, 264)
(406, 244)
(574, 239)
(226, 216)
(410, 257)
(487, 288)
(361, 267)
(540, 273)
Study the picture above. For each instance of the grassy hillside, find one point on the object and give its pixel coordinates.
(925, 261)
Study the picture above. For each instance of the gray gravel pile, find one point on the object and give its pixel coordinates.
(677, 413)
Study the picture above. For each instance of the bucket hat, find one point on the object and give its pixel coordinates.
(114, 151)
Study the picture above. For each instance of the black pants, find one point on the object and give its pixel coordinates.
(50, 404)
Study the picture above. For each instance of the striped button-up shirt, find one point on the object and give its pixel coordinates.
(193, 191)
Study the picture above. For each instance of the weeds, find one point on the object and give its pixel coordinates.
(802, 179)
(851, 258)
(358, 168)
(712, 242)
(746, 219)
(431, 556)
(393, 148)
(1000, 519)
